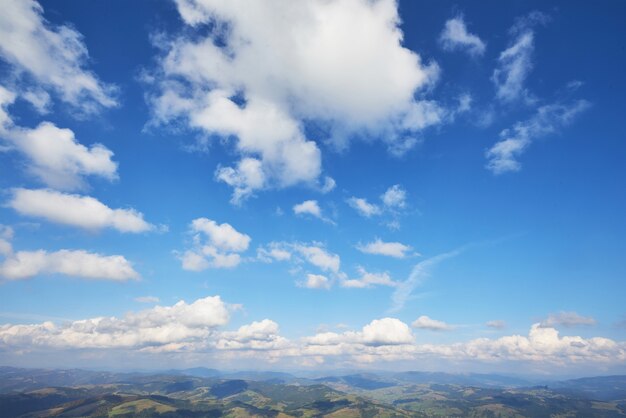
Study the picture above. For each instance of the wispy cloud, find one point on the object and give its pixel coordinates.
(456, 37)
(549, 119)
(421, 271)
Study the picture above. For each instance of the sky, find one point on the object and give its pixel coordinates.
(313, 185)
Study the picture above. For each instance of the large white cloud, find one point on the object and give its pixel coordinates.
(50, 56)
(53, 154)
(20, 265)
(259, 76)
(195, 328)
(77, 263)
(215, 245)
(75, 210)
(158, 326)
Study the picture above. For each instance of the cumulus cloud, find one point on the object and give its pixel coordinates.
(329, 185)
(53, 155)
(315, 281)
(455, 37)
(390, 249)
(394, 197)
(312, 254)
(76, 263)
(215, 245)
(51, 56)
(567, 319)
(549, 119)
(310, 207)
(161, 326)
(425, 322)
(392, 203)
(363, 207)
(319, 257)
(75, 210)
(340, 64)
(195, 328)
(20, 265)
(367, 279)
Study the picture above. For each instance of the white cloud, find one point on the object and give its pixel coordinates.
(310, 207)
(298, 253)
(6, 235)
(394, 197)
(77, 263)
(425, 322)
(274, 252)
(53, 56)
(316, 281)
(147, 299)
(160, 326)
(363, 207)
(54, 155)
(75, 210)
(268, 73)
(390, 249)
(419, 273)
(549, 119)
(329, 185)
(456, 37)
(496, 323)
(215, 245)
(567, 319)
(515, 62)
(367, 279)
(319, 257)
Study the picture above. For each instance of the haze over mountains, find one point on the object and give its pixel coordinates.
(202, 392)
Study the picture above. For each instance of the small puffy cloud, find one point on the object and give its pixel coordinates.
(455, 37)
(319, 257)
(54, 156)
(549, 119)
(221, 236)
(367, 279)
(75, 210)
(215, 245)
(258, 83)
(298, 253)
(274, 252)
(76, 263)
(363, 207)
(310, 207)
(147, 299)
(425, 322)
(567, 319)
(390, 249)
(496, 324)
(394, 197)
(53, 56)
(315, 281)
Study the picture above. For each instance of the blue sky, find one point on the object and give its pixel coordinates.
(324, 184)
